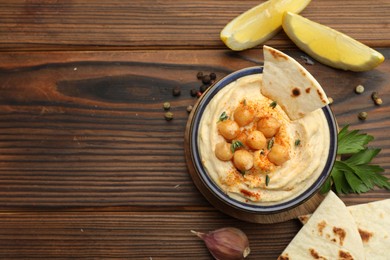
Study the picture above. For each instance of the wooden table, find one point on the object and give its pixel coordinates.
(89, 167)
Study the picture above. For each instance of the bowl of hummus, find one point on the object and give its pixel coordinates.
(262, 140)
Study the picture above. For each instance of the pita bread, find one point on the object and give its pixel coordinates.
(373, 223)
(290, 85)
(330, 233)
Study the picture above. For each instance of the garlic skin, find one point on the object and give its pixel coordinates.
(226, 243)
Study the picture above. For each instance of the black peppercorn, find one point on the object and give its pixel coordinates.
(176, 91)
(213, 76)
(199, 75)
(203, 88)
(206, 79)
(193, 92)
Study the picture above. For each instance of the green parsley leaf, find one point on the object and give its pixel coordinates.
(351, 141)
(267, 179)
(235, 145)
(355, 174)
(223, 117)
(271, 143)
(273, 104)
(363, 157)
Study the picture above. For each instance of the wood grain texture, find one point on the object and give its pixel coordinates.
(128, 235)
(90, 168)
(169, 24)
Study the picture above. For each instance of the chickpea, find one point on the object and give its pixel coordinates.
(223, 151)
(278, 154)
(256, 140)
(243, 160)
(269, 126)
(228, 129)
(243, 116)
(242, 137)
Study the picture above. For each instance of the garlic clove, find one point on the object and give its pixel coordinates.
(226, 243)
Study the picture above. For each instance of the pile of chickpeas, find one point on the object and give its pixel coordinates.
(251, 139)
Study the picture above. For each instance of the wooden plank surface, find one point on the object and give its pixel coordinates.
(90, 168)
(169, 24)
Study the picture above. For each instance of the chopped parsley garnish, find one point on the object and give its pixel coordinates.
(223, 116)
(353, 173)
(271, 143)
(267, 179)
(273, 104)
(297, 142)
(235, 145)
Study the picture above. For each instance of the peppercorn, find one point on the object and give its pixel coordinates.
(193, 92)
(189, 108)
(206, 79)
(213, 76)
(198, 94)
(203, 88)
(199, 75)
(168, 116)
(166, 105)
(359, 89)
(374, 95)
(176, 91)
(362, 115)
(330, 100)
(378, 101)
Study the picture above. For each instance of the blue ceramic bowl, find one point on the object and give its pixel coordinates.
(212, 191)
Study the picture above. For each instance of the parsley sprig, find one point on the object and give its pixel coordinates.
(353, 173)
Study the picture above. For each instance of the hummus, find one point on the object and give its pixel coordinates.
(265, 183)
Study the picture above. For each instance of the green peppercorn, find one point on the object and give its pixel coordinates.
(168, 116)
(359, 89)
(176, 91)
(378, 101)
(362, 115)
(166, 105)
(374, 95)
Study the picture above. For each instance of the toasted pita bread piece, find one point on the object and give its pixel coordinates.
(330, 233)
(373, 223)
(290, 85)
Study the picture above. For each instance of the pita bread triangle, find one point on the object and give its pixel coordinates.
(330, 233)
(373, 223)
(290, 85)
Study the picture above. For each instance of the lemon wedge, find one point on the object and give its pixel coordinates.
(329, 46)
(259, 23)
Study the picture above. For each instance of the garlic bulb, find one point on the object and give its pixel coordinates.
(226, 243)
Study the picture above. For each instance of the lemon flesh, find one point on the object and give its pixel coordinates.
(258, 24)
(329, 46)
